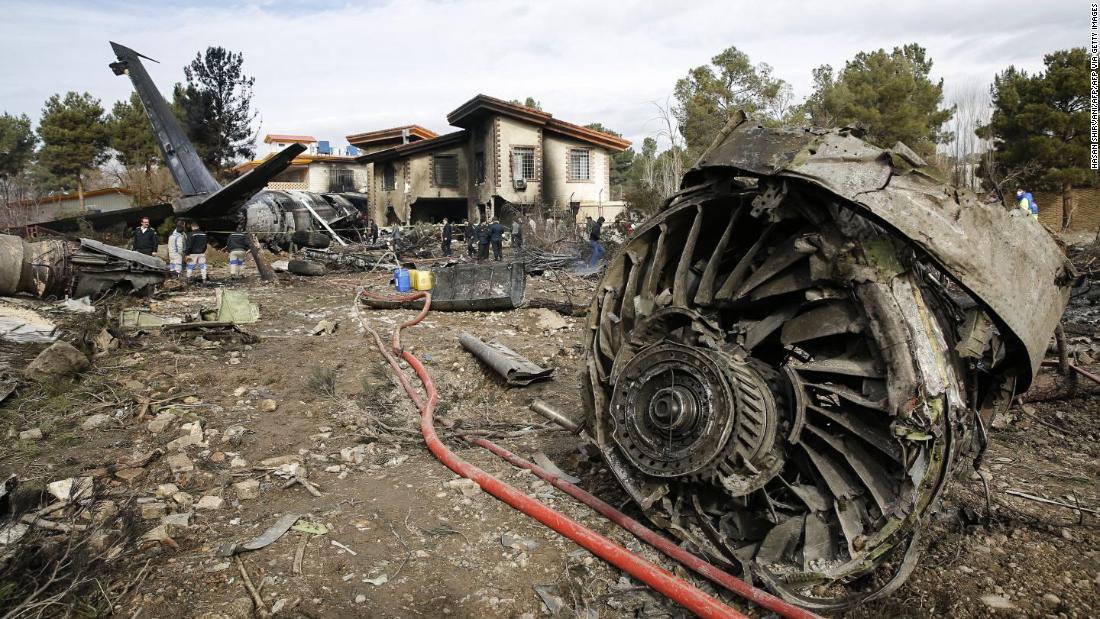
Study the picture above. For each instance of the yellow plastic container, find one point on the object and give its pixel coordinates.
(421, 280)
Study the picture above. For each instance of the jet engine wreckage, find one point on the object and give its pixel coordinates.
(785, 365)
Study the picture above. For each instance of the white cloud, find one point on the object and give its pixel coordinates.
(334, 69)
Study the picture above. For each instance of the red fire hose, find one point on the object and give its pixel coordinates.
(659, 579)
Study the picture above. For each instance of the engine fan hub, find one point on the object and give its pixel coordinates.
(678, 409)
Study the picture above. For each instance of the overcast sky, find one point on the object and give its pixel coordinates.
(333, 68)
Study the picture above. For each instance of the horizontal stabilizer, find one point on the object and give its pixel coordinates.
(229, 198)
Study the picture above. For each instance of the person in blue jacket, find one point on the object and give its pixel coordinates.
(1026, 202)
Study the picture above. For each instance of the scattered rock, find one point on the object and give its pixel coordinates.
(180, 463)
(70, 489)
(247, 490)
(154, 510)
(549, 320)
(354, 455)
(183, 498)
(130, 475)
(997, 602)
(1051, 600)
(161, 422)
(268, 405)
(33, 434)
(181, 519)
(191, 400)
(217, 456)
(467, 487)
(61, 359)
(166, 490)
(238, 463)
(210, 502)
(93, 422)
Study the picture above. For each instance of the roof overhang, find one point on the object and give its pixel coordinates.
(481, 105)
(393, 134)
(448, 140)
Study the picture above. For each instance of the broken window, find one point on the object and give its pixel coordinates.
(389, 177)
(578, 164)
(479, 168)
(445, 170)
(523, 163)
(341, 179)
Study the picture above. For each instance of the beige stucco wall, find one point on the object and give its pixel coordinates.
(509, 133)
(557, 186)
(413, 180)
(318, 175)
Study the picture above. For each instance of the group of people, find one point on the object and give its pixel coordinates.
(187, 248)
(481, 237)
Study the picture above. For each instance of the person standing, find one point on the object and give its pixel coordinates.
(145, 238)
(483, 241)
(446, 236)
(594, 242)
(395, 238)
(372, 232)
(496, 238)
(588, 223)
(196, 252)
(517, 235)
(177, 244)
(237, 246)
(469, 235)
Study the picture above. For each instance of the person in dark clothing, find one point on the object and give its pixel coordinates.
(196, 251)
(470, 235)
(496, 237)
(446, 235)
(483, 241)
(372, 232)
(517, 235)
(145, 238)
(237, 246)
(594, 242)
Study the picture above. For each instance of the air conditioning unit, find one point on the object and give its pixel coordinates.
(520, 184)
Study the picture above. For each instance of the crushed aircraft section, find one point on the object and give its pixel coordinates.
(784, 365)
(53, 269)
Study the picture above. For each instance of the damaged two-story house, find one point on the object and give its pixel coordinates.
(503, 153)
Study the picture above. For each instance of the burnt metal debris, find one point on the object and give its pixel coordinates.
(470, 288)
(514, 368)
(54, 269)
(785, 365)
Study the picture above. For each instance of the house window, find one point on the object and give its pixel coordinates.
(578, 164)
(389, 177)
(445, 170)
(341, 179)
(479, 168)
(523, 163)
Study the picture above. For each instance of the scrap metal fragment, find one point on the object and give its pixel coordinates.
(516, 370)
(268, 537)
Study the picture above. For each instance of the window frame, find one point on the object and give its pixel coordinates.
(389, 176)
(570, 176)
(517, 152)
(437, 181)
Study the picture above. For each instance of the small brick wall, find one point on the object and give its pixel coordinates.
(1086, 215)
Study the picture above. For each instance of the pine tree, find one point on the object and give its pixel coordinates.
(1040, 124)
(889, 94)
(16, 149)
(74, 138)
(215, 107)
(131, 135)
(710, 94)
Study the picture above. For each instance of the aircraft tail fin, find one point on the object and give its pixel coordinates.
(183, 162)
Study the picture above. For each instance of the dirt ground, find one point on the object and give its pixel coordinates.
(401, 539)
